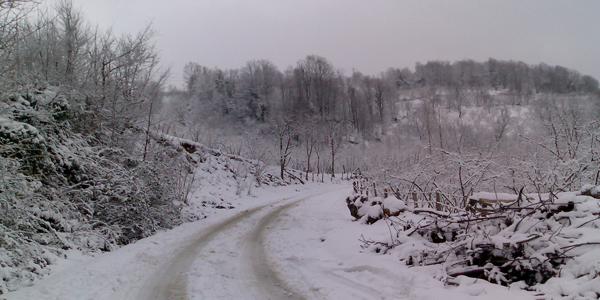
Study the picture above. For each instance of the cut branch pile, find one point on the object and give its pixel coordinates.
(550, 245)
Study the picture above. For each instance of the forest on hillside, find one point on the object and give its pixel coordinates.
(315, 118)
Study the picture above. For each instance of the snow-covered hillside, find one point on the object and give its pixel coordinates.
(66, 193)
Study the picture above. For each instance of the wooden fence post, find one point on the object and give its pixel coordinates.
(414, 197)
(374, 190)
(438, 201)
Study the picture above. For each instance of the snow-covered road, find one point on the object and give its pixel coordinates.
(170, 282)
(221, 257)
(291, 243)
(243, 236)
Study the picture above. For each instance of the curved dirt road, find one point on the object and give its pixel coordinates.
(241, 260)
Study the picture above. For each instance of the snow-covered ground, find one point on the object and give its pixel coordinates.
(130, 272)
(292, 242)
(316, 246)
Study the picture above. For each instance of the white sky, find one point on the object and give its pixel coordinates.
(369, 36)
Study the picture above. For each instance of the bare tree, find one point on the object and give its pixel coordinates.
(316, 85)
(13, 29)
(259, 78)
(73, 38)
(155, 89)
(334, 130)
(310, 137)
(285, 132)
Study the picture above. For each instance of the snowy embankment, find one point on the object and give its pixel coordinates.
(64, 193)
(62, 189)
(317, 247)
(548, 245)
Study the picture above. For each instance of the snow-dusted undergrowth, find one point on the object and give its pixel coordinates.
(61, 190)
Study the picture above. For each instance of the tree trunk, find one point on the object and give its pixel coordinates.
(281, 157)
(308, 156)
(332, 158)
(148, 130)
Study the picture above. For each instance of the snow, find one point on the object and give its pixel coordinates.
(294, 242)
(371, 210)
(316, 248)
(591, 190)
(393, 205)
(306, 243)
(500, 197)
(13, 130)
(117, 274)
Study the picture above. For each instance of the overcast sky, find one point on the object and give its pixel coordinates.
(369, 36)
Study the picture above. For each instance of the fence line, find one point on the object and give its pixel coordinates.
(445, 202)
(435, 200)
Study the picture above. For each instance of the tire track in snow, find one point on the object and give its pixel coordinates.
(266, 277)
(170, 282)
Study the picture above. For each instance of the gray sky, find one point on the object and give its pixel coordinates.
(369, 36)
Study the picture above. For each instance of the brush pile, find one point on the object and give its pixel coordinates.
(546, 243)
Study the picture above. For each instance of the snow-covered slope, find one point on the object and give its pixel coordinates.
(63, 192)
(61, 189)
